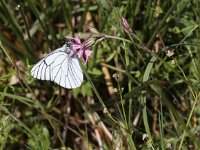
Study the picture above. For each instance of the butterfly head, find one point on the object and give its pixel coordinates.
(68, 49)
(68, 44)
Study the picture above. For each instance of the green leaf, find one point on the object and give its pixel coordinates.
(95, 71)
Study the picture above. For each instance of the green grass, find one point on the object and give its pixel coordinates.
(152, 101)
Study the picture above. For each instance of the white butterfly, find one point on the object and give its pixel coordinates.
(58, 67)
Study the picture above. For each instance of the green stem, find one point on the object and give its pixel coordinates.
(117, 38)
(9, 58)
(122, 103)
(191, 112)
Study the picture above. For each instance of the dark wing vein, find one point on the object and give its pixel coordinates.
(75, 70)
(71, 72)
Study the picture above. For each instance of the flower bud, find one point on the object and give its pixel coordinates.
(89, 42)
(93, 30)
(115, 75)
(115, 90)
(126, 26)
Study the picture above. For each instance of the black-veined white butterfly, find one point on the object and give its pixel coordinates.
(58, 67)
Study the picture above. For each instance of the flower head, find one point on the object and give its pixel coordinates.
(81, 48)
(115, 75)
(170, 53)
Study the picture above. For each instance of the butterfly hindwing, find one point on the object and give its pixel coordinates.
(74, 73)
(59, 68)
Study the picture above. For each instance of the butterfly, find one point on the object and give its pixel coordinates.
(60, 66)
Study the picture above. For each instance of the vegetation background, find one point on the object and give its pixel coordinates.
(141, 89)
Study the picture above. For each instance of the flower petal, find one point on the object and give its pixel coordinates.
(87, 53)
(75, 47)
(80, 54)
(78, 40)
(70, 38)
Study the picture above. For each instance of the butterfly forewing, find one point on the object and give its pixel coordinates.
(61, 69)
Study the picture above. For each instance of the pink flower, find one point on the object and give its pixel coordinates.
(80, 48)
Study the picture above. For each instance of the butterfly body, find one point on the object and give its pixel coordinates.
(60, 66)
